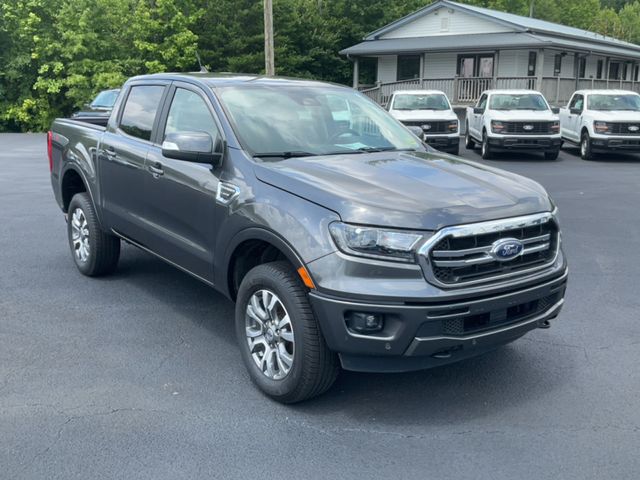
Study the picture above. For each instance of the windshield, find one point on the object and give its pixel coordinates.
(525, 101)
(413, 101)
(614, 102)
(294, 120)
(105, 99)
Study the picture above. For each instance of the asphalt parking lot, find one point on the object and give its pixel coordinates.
(137, 375)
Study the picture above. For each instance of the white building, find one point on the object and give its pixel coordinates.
(463, 50)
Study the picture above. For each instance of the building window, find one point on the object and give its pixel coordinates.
(582, 67)
(475, 66)
(408, 67)
(599, 69)
(624, 71)
(557, 65)
(533, 59)
(614, 70)
(444, 24)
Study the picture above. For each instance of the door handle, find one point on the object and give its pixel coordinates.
(110, 152)
(156, 169)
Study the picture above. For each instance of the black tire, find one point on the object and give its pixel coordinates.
(469, 143)
(314, 367)
(104, 250)
(487, 153)
(551, 155)
(586, 153)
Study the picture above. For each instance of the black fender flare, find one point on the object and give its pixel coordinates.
(72, 166)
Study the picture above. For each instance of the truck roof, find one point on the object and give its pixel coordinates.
(419, 92)
(224, 79)
(605, 92)
(510, 91)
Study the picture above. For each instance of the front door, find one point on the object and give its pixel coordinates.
(121, 161)
(181, 195)
(570, 126)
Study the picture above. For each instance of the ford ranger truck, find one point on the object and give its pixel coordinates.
(602, 121)
(515, 121)
(343, 240)
(431, 112)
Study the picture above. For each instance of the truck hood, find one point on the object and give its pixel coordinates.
(615, 116)
(418, 115)
(523, 115)
(414, 190)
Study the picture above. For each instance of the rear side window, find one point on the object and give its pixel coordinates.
(140, 110)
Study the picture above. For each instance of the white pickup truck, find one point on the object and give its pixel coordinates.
(513, 120)
(602, 120)
(431, 111)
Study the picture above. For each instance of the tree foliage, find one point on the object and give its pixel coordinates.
(56, 54)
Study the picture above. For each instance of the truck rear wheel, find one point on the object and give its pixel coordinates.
(585, 147)
(94, 252)
(486, 148)
(469, 144)
(279, 337)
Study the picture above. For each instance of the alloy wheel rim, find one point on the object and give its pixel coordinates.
(80, 235)
(583, 147)
(269, 334)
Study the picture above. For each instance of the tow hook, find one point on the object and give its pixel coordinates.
(545, 324)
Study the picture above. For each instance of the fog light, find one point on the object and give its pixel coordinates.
(362, 322)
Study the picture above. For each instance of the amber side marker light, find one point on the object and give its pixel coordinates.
(306, 278)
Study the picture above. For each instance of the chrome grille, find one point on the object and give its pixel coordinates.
(460, 256)
(436, 126)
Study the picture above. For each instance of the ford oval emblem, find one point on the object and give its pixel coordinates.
(634, 128)
(506, 249)
(426, 126)
(528, 128)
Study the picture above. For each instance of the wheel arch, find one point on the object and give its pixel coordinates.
(249, 248)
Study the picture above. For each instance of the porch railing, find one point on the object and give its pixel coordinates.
(463, 91)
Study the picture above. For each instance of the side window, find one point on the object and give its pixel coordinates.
(189, 113)
(577, 102)
(140, 110)
(482, 103)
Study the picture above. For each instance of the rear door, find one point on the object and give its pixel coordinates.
(122, 155)
(181, 195)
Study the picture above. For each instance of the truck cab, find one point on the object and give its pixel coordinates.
(513, 120)
(431, 111)
(602, 121)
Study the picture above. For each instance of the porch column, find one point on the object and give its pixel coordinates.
(422, 70)
(576, 68)
(496, 65)
(539, 69)
(606, 67)
(356, 73)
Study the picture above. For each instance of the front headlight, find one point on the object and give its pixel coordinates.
(453, 126)
(371, 242)
(601, 127)
(497, 126)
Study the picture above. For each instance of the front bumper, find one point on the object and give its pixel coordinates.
(424, 335)
(523, 142)
(606, 143)
(442, 142)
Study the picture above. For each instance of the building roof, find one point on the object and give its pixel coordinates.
(527, 32)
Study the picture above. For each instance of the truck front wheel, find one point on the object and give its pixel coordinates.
(279, 337)
(551, 155)
(585, 147)
(486, 148)
(469, 144)
(94, 251)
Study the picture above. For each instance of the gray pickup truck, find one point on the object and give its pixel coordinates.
(342, 238)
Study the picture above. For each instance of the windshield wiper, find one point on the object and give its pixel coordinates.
(384, 149)
(291, 154)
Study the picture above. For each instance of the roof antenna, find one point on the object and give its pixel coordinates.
(203, 69)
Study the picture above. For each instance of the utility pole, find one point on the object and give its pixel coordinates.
(531, 8)
(269, 62)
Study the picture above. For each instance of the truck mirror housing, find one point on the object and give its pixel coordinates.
(575, 111)
(478, 110)
(417, 131)
(555, 110)
(193, 147)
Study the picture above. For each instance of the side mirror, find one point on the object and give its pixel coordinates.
(417, 131)
(193, 147)
(555, 110)
(576, 111)
(478, 110)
